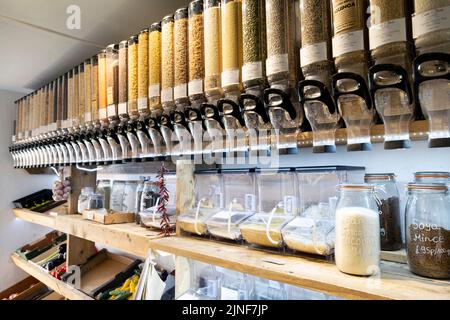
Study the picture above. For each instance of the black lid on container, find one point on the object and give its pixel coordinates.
(81, 67)
(133, 40)
(94, 60)
(112, 47)
(156, 26)
(123, 44)
(87, 61)
(69, 74)
(181, 13)
(75, 70)
(212, 3)
(195, 7)
(102, 53)
(146, 30)
(167, 19)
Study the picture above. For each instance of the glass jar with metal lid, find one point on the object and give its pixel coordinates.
(428, 230)
(390, 222)
(357, 247)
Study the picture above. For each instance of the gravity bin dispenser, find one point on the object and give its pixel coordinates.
(393, 101)
(353, 100)
(432, 81)
(320, 110)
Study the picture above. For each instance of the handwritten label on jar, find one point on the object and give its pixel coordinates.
(195, 87)
(180, 91)
(230, 77)
(430, 21)
(252, 71)
(153, 90)
(348, 42)
(313, 53)
(387, 32)
(166, 94)
(278, 63)
(123, 108)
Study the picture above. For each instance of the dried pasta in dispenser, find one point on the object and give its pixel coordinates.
(154, 88)
(112, 81)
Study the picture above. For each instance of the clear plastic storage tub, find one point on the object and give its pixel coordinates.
(208, 201)
(240, 204)
(278, 203)
(313, 230)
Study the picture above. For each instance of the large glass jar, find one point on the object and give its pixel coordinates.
(102, 100)
(196, 52)
(154, 88)
(117, 193)
(104, 188)
(129, 196)
(181, 52)
(254, 48)
(167, 62)
(390, 221)
(428, 230)
(213, 50)
(231, 47)
(143, 74)
(133, 50)
(149, 199)
(430, 26)
(357, 249)
(83, 199)
(137, 200)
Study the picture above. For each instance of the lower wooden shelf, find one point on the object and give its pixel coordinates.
(394, 282)
(58, 286)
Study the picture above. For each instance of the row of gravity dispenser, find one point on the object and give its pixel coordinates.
(219, 70)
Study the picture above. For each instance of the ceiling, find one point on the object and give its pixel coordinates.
(37, 46)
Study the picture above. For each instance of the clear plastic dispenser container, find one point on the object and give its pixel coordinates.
(278, 204)
(239, 204)
(282, 72)
(313, 230)
(393, 99)
(432, 82)
(354, 103)
(208, 201)
(322, 114)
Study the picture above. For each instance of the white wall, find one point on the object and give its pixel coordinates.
(14, 184)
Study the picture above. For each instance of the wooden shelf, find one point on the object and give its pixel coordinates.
(128, 237)
(395, 282)
(58, 286)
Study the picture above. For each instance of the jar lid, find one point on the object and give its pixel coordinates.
(133, 40)
(356, 186)
(181, 13)
(432, 174)
(123, 44)
(167, 19)
(427, 186)
(112, 48)
(195, 7)
(379, 176)
(156, 26)
(146, 30)
(87, 61)
(94, 60)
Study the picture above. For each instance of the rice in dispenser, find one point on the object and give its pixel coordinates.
(208, 201)
(239, 205)
(313, 230)
(277, 205)
(282, 72)
(350, 52)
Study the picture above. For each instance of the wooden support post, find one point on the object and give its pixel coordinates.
(79, 250)
(185, 187)
(79, 180)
